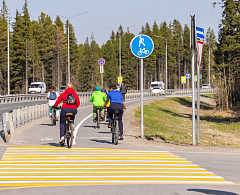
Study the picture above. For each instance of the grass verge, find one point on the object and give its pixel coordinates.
(171, 120)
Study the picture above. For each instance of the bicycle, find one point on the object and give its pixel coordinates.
(98, 116)
(115, 127)
(68, 134)
(53, 119)
(139, 53)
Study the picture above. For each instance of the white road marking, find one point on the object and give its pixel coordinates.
(77, 127)
(47, 139)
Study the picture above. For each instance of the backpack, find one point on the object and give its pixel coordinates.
(53, 95)
(70, 99)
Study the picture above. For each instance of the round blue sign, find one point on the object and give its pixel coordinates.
(188, 76)
(142, 46)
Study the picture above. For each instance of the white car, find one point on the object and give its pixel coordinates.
(62, 89)
(206, 86)
(158, 90)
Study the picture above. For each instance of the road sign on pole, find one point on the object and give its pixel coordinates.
(120, 80)
(141, 47)
(183, 79)
(188, 76)
(101, 61)
(200, 39)
(101, 69)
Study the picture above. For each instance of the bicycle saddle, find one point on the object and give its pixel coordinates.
(116, 111)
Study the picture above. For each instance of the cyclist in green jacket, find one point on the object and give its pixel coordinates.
(98, 98)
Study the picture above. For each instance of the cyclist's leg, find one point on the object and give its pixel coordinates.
(102, 111)
(120, 123)
(50, 110)
(111, 109)
(94, 112)
(57, 113)
(63, 119)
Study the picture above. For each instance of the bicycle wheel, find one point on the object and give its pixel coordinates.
(98, 118)
(113, 130)
(70, 135)
(116, 136)
(53, 119)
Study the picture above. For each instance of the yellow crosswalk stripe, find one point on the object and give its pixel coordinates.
(48, 166)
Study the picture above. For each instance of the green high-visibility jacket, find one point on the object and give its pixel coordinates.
(98, 98)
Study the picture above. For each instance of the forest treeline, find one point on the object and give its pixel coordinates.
(38, 52)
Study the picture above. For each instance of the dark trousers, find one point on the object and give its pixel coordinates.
(63, 119)
(116, 106)
(123, 94)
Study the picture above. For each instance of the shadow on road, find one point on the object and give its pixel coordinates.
(105, 132)
(101, 141)
(53, 144)
(213, 192)
(46, 124)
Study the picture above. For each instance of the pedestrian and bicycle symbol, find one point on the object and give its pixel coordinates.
(195, 78)
(101, 61)
(141, 46)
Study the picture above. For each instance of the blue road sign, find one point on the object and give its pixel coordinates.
(200, 32)
(188, 76)
(142, 46)
(200, 76)
(101, 61)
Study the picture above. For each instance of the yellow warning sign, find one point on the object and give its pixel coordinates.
(120, 79)
(183, 79)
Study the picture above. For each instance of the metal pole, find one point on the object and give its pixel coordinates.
(119, 54)
(68, 56)
(193, 84)
(166, 66)
(8, 54)
(102, 79)
(142, 133)
(198, 102)
(209, 67)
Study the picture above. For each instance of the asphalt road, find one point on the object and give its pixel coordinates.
(95, 146)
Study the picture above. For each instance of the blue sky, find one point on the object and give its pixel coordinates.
(112, 13)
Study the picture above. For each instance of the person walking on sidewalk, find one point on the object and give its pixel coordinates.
(123, 90)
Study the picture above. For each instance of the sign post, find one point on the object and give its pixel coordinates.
(183, 80)
(101, 62)
(200, 38)
(193, 47)
(141, 47)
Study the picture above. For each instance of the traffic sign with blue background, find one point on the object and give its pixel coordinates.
(188, 76)
(101, 61)
(142, 46)
(200, 32)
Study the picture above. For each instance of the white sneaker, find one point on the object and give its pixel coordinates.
(61, 140)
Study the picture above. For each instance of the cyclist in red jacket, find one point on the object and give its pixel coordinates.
(69, 106)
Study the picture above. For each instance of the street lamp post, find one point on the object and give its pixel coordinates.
(68, 40)
(120, 72)
(8, 52)
(166, 57)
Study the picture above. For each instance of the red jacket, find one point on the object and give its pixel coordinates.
(63, 97)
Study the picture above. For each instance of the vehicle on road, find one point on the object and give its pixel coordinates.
(68, 135)
(115, 127)
(158, 91)
(206, 86)
(62, 89)
(37, 87)
(156, 84)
